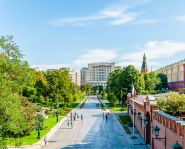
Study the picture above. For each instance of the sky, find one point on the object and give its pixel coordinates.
(73, 33)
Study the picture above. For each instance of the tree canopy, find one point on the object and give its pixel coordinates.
(172, 103)
(121, 80)
(24, 91)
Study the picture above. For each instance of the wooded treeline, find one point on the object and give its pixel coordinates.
(24, 91)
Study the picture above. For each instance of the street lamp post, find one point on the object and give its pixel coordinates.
(156, 131)
(57, 113)
(134, 113)
(39, 123)
(176, 145)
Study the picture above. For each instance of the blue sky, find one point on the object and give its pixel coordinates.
(55, 33)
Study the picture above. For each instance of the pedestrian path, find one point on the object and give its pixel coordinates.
(93, 132)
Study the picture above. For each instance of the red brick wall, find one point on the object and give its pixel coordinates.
(169, 129)
(174, 131)
(176, 85)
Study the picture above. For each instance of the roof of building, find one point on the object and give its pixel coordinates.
(181, 61)
(152, 98)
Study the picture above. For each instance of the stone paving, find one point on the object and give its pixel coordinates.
(92, 132)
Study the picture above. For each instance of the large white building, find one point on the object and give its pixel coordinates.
(83, 73)
(98, 73)
(77, 78)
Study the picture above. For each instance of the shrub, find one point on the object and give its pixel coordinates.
(172, 103)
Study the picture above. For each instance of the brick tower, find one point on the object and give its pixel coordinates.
(144, 68)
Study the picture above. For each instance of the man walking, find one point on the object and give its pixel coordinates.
(106, 117)
(68, 123)
(45, 140)
(71, 124)
(71, 115)
(81, 117)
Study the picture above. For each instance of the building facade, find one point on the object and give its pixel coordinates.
(175, 74)
(83, 73)
(98, 73)
(147, 118)
(78, 78)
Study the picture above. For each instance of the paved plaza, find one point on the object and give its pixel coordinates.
(92, 132)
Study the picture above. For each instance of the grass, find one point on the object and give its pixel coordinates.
(118, 109)
(125, 119)
(32, 138)
(49, 124)
(105, 101)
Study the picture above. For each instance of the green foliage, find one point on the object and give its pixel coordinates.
(14, 77)
(24, 91)
(39, 121)
(151, 81)
(121, 80)
(113, 100)
(87, 88)
(97, 89)
(164, 81)
(104, 95)
(172, 103)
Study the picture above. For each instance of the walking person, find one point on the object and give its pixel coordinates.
(106, 117)
(81, 117)
(68, 123)
(71, 115)
(71, 124)
(45, 140)
(74, 117)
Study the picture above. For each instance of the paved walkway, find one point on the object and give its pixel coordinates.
(92, 132)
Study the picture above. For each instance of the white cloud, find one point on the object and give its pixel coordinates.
(154, 50)
(96, 55)
(181, 18)
(116, 15)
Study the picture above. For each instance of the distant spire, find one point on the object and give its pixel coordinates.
(144, 65)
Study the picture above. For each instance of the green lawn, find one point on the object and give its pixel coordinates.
(32, 138)
(125, 119)
(105, 101)
(118, 109)
(49, 124)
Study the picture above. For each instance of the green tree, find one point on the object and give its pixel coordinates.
(87, 87)
(15, 75)
(164, 81)
(120, 82)
(151, 81)
(172, 103)
(60, 86)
